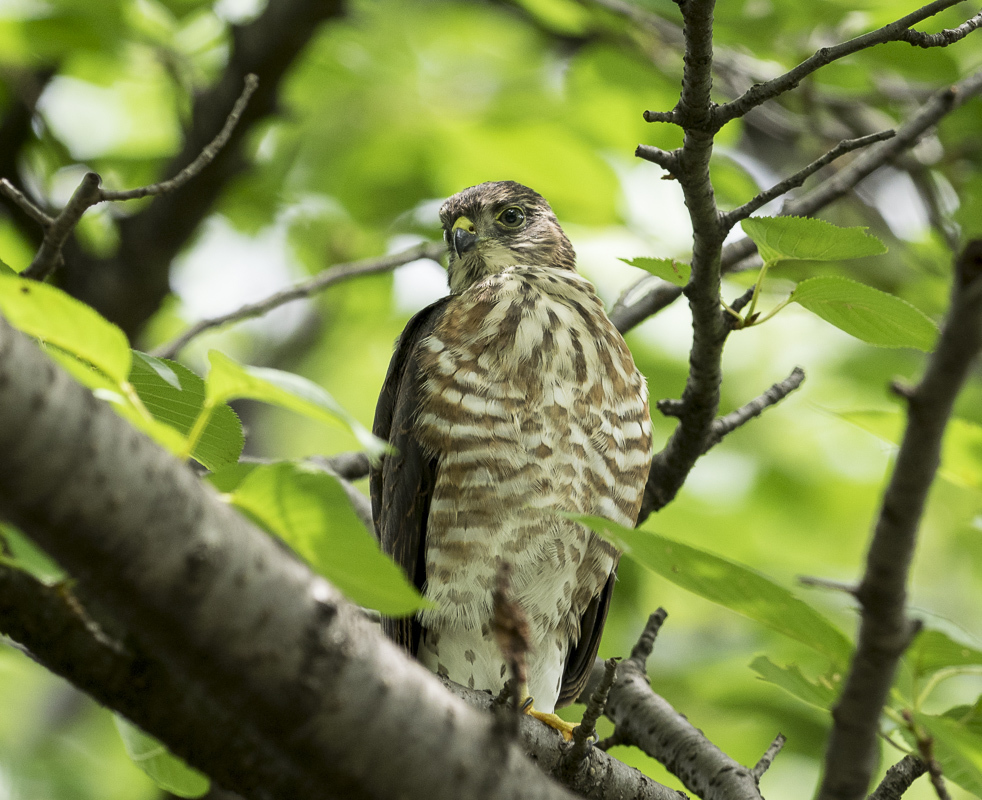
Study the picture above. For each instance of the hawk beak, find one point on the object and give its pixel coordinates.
(464, 236)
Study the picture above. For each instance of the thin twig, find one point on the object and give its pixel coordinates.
(741, 416)
(925, 748)
(826, 583)
(762, 92)
(205, 157)
(328, 277)
(646, 642)
(885, 630)
(731, 218)
(768, 758)
(587, 729)
(25, 204)
(942, 38)
(89, 193)
(668, 160)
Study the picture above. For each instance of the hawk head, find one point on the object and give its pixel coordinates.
(502, 224)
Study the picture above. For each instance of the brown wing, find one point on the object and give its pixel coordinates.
(579, 662)
(402, 483)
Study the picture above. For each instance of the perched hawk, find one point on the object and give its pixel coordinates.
(510, 399)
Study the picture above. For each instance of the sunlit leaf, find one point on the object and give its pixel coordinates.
(866, 313)
(228, 380)
(668, 269)
(176, 396)
(808, 239)
(310, 511)
(53, 316)
(732, 585)
(165, 769)
(819, 693)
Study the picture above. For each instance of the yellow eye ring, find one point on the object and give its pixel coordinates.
(511, 217)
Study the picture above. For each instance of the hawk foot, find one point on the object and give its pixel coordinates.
(555, 721)
(552, 720)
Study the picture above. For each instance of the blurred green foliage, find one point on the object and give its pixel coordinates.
(398, 105)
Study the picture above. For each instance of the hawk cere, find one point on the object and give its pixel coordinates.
(510, 399)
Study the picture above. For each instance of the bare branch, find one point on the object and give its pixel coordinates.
(942, 38)
(885, 630)
(762, 92)
(328, 277)
(644, 299)
(768, 758)
(899, 779)
(731, 218)
(88, 194)
(660, 116)
(742, 415)
(25, 204)
(644, 719)
(646, 642)
(205, 157)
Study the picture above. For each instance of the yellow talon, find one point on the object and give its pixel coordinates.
(552, 720)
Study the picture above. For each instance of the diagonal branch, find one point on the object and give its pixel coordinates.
(335, 274)
(885, 631)
(756, 407)
(731, 218)
(762, 92)
(899, 779)
(942, 38)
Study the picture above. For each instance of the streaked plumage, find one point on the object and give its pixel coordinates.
(509, 399)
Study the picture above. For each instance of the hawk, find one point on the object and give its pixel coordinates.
(508, 400)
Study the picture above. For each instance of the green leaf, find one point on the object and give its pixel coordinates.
(53, 316)
(866, 313)
(6, 269)
(961, 447)
(821, 693)
(166, 770)
(228, 380)
(173, 394)
(958, 747)
(310, 511)
(933, 650)
(732, 585)
(808, 239)
(668, 269)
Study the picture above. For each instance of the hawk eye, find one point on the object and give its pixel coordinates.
(512, 217)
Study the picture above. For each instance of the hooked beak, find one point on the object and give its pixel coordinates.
(463, 236)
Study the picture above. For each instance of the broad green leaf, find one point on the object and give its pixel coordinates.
(118, 398)
(961, 448)
(820, 693)
(668, 269)
(808, 239)
(53, 316)
(866, 313)
(934, 650)
(165, 769)
(227, 479)
(311, 513)
(732, 585)
(6, 269)
(228, 380)
(176, 396)
(958, 747)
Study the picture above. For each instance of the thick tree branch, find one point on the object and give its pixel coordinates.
(885, 631)
(700, 398)
(230, 611)
(762, 92)
(128, 287)
(328, 277)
